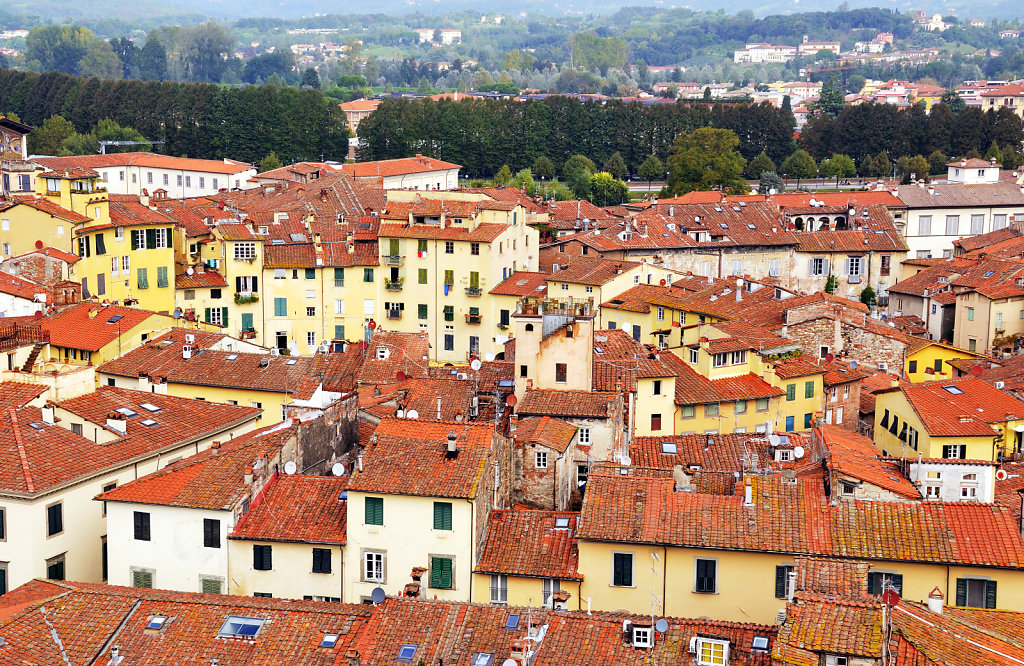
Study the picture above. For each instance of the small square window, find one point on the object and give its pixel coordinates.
(329, 641)
(541, 459)
(407, 652)
(669, 447)
(512, 622)
(156, 623)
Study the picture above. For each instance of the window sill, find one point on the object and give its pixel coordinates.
(709, 594)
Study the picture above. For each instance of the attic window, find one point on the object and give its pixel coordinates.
(276, 241)
(989, 273)
(642, 637)
(407, 652)
(513, 621)
(150, 407)
(329, 640)
(149, 423)
(751, 226)
(760, 643)
(669, 447)
(561, 523)
(723, 225)
(598, 350)
(955, 390)
(232, 357)
(126, 411)
(116, 318)
(37, 426)
(482, 659)
(291, 361)
(382, 353)
(157, 622)
(506, 383)
(237, 626)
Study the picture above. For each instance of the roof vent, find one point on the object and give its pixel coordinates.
(453, 444)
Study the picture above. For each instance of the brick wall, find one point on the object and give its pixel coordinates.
(849, 400)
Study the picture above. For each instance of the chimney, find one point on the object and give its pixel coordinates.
(935, 600)
(453, 444)
(681, 478)
(215, 448)
(671, 211)
(791, 585)
(559, 599)
(438, 408)
(48, 415)
(248, 476)
(118, 422)
(352, 656)
(748, 495)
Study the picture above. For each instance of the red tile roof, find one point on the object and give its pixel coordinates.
(207, 278)
(798, 519)
(970, 413)
(297, 508)
(328, 255)
(831, 575)
(421, 396)
(48, 207)
(546, 431)
(410, 458)
(405, 353)
(21, 288)
(151, 160)
(205, 480)
(530, 543)
(396, 167)
(18, 394)
(693, 388)
(566, 404)
(88, 325)
(713, 453)
(833, 626)
(797, 367)
(852, 455)
(591, 271)
(979, 638)
(522, 284)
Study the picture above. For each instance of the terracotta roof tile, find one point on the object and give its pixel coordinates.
(969, 412)
(396, 167)
(591, 271)
(834, 626)
(565, 404)
(522, 284)
(797, 367)
(713, 453)
(48, 207)
(831, 575)
(18, 394)
(88, 325)
(410, 458)
(531, 543)
(546, 431)
(297, 508)
(205, 279)
(389, 354)
(853, 455)
(144, 160)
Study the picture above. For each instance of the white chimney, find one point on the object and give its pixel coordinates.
(248, 476)
(790, 585)
(48, 415)
(438, 408)
(453, 442)
(748, 495)
(118, 423)
(935, 600)
(186, 351)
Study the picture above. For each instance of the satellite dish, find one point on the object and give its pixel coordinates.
(378, 595)
(1001, 475)
(853, 365)
(511, 400)
(337, 470)
(798, 452)
(489, 356)
(191, 271)
(400, 376)
(830, 357)
(476, 364)
(293, 346)
(976, 371)
(412, 414)
(510, 662)
(773, 439)
(661, 625)
(400, 413)
(290, 467)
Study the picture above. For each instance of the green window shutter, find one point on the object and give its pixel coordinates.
(791, 392)
(143, 278)
(474, 280)
(247, 321)
(442, 515)
(449, 277)
(367, 275)
(374, 510)
(435, 572)
(423, 276)
(310, 273)
(161, 276)
(781, 580)
(280, 307)
(809, 389)
(339, 277)
(421, 311)
(339, 332)
(101, 247)
(446, 573)
(393, 243)
(211, 586)
(449, 313)
(961, 591)
(135, 239)
(224, 317)
(206, 315)
(441, 572)
(807, 419)
(150, 239)
(142, 579)
(990, 594)
(421, 245)
(474, 312)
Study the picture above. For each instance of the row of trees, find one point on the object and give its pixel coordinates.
(195, 120)
(482, 135)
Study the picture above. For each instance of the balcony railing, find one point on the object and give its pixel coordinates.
(393, 260)
(474, 291)
(473, 318)
(393, 285)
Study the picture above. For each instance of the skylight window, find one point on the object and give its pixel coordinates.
(150, 407)
(669, 447)
(513, 621)
(989, 273)
(116, 318)
(126, 411)
(329, 641)
(482, 659)
(232, 357)
(238, 626)
(955, 390)
(506, 383)
(149, 423)
(407, 652)
(562, 523)
(291, 361)
(156, 622)
(760, 643)
(751, 226)
(37, 426)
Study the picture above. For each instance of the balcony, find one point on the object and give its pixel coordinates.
(394, 313)
(394, 285)
(243, 297)
(473, 319)
(248, 334)
(393, 260)
(474, 291)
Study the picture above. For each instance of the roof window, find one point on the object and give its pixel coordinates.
(238, 626)
(232, 357)
(562, 523)
(126, 411)
(482, 659)
(989, 273)
(329, 640)
(955, 390)
(407, 652)
(156, 622)
(37, 426)
(669, 447)
(116, 318)
(291, 361)
(150, 407)
(760, 643)
(513, 621)
(149, 423)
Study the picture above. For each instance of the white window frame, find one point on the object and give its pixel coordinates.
(713, 646)
(126, 265)
(339, 306)
(540, 459)
(642, 637)
(244, 251)
(499, 589)
(548, 587)
(161, 238)
(373, 559)
(115, 265)
(584, 435)
(217, 316)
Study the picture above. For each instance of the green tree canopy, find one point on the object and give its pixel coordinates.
(616, 166)
(59, 47)
(153, 59)
(101, 61)
(706, 159)
(310, 79)
(881, 165)
(105, 130)
(770, 181)
(543, 168)
(270, 162)
(837, 166)
(759, 165)
(48, 138)
(800, 165)
(652, 169)
(832, 99)
(523, 180)
(503, 176)
(607, 190)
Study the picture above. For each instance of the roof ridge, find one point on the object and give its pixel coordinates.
(29, 482)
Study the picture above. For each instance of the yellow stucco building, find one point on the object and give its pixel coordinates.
(928, 360)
